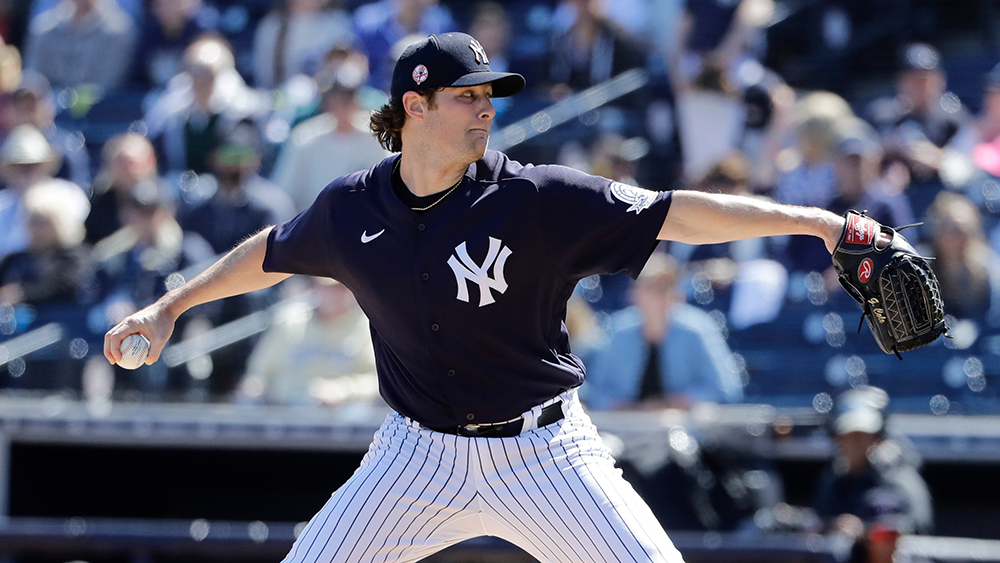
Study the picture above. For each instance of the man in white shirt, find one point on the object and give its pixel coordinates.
(327, 146)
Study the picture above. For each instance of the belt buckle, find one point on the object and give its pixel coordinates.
(471, 430)
(484, 429)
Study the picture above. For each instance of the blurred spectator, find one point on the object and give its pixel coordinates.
(661, 28)
(200, 106)
(14, 15)
(134, 263)
(128, 159)
(872, 489)
(858, 187)
(722, 33)
(82, 42)
(380, 25)
(303, 95)
(309, 356)
(711, 117)
(988, 124)
(26, 160)
(591, 50)
(10, 69)
(965, 264)
(52, 275)
(243, 203)
(327, 146)
(769, 106)
(661, 352)
(134, 8)
(173, 25)
(979, 140)
(135, 260)
(33, 104)
(615, 157)
(728, 175)
(807, 172)
(54, 266)
(293, 38)
(923, 117)
(491, 27)
(741, 272)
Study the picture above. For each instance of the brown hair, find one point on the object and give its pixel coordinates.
(387, 121)
(965, 284)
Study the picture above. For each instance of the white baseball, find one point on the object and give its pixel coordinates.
(134, 350)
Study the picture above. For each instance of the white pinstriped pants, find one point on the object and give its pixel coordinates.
(553, 491)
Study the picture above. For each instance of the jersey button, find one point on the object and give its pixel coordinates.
(451, 373)
(435, 327)
(470, 416)
(421, 227)
(425, 276)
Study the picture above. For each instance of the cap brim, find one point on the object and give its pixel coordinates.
(504, 83)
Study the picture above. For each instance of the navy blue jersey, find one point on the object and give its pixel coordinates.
(467, 301)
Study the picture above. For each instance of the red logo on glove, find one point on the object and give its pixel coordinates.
(865, 270)
(860, 230)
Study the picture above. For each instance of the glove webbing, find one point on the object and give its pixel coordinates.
(911, 322)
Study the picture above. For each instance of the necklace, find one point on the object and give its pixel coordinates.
(436, 201)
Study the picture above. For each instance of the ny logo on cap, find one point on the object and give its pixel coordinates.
(481, 57)
(420, 74)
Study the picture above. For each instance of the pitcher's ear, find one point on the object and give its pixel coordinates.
(414, 105)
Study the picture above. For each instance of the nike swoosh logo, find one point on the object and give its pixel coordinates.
(366, 238)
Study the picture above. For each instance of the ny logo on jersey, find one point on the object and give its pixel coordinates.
(467, 270)
(479, 51)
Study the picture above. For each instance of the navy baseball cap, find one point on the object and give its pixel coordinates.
(449, 60)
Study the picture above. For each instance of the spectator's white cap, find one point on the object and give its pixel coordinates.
(62, 202)
(26, 145)
(861, 410)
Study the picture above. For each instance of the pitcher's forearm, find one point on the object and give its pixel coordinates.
(701, 218)
(238, 272)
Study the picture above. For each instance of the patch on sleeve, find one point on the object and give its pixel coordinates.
(637, 198)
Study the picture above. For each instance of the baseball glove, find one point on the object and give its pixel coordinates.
(895, 286)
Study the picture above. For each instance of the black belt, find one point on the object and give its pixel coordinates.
(550, 414)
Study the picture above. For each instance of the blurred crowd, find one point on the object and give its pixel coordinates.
(141, 139)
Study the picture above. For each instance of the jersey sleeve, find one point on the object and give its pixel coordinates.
(300, 245)
(594, 225)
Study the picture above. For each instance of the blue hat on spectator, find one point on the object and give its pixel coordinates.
(858, 139)
(449, 60)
